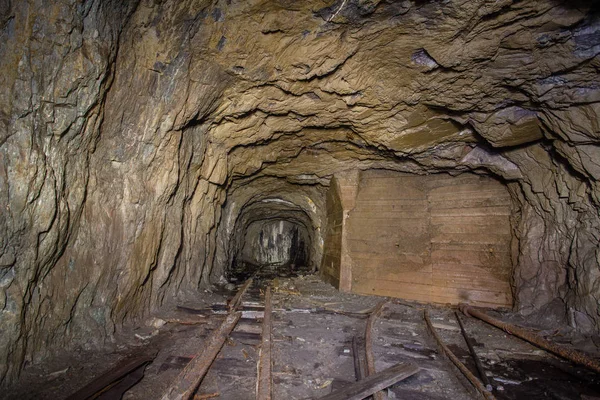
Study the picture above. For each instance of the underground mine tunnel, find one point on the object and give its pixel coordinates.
(272, 239)
(278, 199)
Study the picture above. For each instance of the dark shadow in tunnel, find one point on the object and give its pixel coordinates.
(271, 239)
(271, 248)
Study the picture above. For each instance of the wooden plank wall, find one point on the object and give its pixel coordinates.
(435, 238)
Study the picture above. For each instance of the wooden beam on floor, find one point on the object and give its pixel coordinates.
(237, 299)
(369, 344)
(117, 391)
(374, 383)
(190, 378)
(264, 388)
(200, 312)
(111, 376)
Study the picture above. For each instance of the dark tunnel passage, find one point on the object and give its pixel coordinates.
(269, 248)
(156, 154)
(271, 238)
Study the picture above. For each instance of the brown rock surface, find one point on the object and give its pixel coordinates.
(134, 133)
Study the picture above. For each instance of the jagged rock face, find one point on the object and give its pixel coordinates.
(133, 135)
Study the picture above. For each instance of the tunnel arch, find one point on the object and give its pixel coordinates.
(272, 238)
(264, 200)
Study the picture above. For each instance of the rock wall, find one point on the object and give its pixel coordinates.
(57, 64)
(126, 127)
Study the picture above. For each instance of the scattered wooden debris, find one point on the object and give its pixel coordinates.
(406, 303)
(174, 362)
(353, 314)
(112, 376)
(446, 327)
(325, 308)
(250, 338)
(253, 311)
(286, 291)
(206, 396)
(253, 314)
(251, 321)
(248, 328)
(242, 306)
(374, 383)
(181, 321)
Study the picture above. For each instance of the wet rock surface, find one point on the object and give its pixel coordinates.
(133, 133)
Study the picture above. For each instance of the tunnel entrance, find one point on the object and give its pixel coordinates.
(271, 248)
(274, 235)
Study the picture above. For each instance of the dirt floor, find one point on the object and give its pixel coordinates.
(313, 329)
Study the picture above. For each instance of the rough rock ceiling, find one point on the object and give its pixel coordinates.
(133, 133)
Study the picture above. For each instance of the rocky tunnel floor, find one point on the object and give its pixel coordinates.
(313, 329)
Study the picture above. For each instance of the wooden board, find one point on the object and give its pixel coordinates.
(188, 380)
(332, 237)
(433, 238)
(374, 383)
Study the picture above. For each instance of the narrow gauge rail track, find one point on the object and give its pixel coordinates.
(189, 380)
(480, 381)
(252, 304)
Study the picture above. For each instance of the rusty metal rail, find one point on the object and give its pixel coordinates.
(474, 355)
(462, 368)
(237, 299)
(189, 379)
(532, 337)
